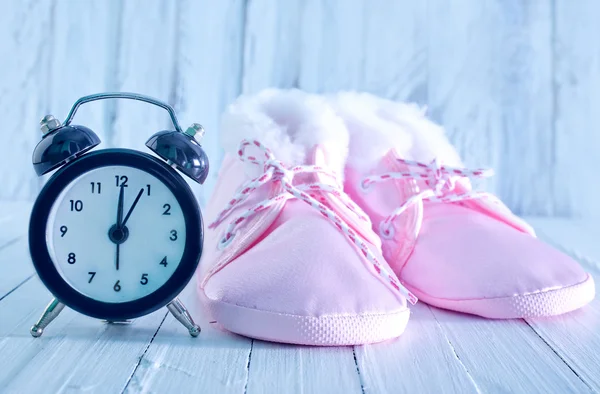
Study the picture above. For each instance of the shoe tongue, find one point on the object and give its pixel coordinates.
(393, 193)
(390, 161)
(393, 164)
(316, 156)
(391, 156)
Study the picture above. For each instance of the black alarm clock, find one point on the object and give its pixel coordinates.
(116, 233)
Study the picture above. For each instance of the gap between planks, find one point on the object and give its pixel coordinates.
(574, 336)
(215, 361)
(248, 366)
(462, 365)
(151, 369)
(362, 383)
(143, 354)
(72, 346)
(11, 217)
(365, 379)
(559, 355)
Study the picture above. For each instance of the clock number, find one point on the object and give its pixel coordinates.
(117, 286)
(96, 187)
(63, 230)
(148, 188)
(76, 205)
(173, 236)
(121, 180)
(92, 274)
(71, 259)
(164, 261)
(144, 280)
(167, 208)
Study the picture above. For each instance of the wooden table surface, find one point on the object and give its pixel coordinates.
(440, 351)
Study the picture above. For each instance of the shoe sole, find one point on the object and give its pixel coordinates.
(544, 303)
(329, 330)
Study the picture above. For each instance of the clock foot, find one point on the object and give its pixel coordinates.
(180, 312)
(50, 313)
(118, 322)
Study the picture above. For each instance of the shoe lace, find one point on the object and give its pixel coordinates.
(441, 181)
(276, 171)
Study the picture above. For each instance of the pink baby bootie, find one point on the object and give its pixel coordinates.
(288, 256)
(451, 246)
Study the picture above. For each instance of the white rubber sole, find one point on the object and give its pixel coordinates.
(538, 304)
(329, 330)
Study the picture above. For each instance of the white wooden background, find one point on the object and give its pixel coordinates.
(516, 82)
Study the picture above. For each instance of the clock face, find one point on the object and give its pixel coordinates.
(112, 255)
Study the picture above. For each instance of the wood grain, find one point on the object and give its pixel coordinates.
(272, 45)
(524, 55)
(277, 368)
(140, 68)
(575, 237)
(506, 355)
(463, 40)
(577, 87)
(331, 50)
(441, 351)
(490, 86)
(214, 362)
(226, 363)
(574, 336)
(422, 360)
(24, 91)
(14, 216)
(76, 353)
(72, 346)
(208, 70)
(395, 46)
(515, 83)
(15, 265)
(83, 60)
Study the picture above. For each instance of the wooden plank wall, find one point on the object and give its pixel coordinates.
(514, 82)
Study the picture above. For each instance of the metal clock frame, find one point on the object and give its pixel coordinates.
(64, 293)
(78, 164)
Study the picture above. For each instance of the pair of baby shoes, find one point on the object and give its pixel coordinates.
(331, 214)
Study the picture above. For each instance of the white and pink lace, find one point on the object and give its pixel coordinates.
(276, 171)
(440, 180)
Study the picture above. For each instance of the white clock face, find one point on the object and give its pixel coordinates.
(102, 259)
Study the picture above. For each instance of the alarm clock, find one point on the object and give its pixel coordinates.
(116, 233)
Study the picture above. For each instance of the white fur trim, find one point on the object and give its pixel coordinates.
(290, 123)
(377, 125)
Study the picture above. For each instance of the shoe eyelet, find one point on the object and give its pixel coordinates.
(224, 242)
(364, 187)
(386, 232)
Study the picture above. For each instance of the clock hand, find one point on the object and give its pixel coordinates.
(118, 257)
(137, 198)
(118, 232)
(119, 220)
(120, 208)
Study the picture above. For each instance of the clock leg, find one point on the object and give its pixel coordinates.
(181, 313)
(50, 313)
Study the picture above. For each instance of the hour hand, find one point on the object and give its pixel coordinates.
(137, 198)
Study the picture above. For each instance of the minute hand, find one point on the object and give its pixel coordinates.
(120, 207)
(137, 198)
